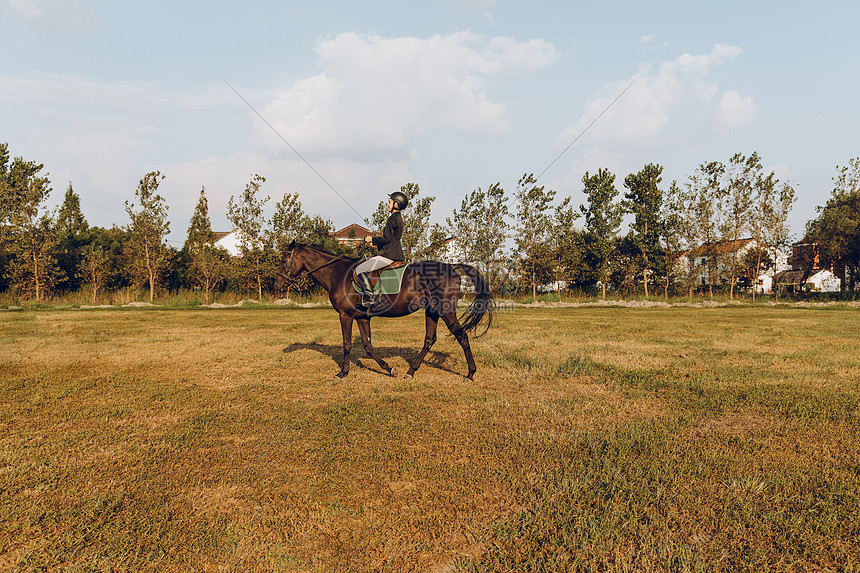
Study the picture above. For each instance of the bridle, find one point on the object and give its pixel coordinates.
(289, 279)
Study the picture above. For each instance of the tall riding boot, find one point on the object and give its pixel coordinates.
(367, 298)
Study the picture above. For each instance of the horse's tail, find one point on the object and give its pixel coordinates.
(484, 303)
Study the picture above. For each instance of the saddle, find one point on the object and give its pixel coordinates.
(385, 280)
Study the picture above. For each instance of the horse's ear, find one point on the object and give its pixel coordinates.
(292, 245)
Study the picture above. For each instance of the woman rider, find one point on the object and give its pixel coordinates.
(388, 244)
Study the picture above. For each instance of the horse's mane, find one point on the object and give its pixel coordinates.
(322, 249)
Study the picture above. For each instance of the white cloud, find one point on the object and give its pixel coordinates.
(55, 91)
(102, 128)
(648, 42)
(54, 13)
(99, 135)
(638, 119)
(226, 176)
(380, 94)
(734, 111)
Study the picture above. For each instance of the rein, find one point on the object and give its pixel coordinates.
(327, 264)
(311, 272)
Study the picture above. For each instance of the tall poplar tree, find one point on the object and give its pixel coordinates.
(256, 263)
(709, 197)
(743, 174)
(532, 231)
(644, 200)
(480, 230)
(768, 222)
(289, 222)
(568, 246)
(147, 231)
(602, 220)
(208, 262)
(683, 233)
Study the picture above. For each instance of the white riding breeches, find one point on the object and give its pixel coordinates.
(372, 264)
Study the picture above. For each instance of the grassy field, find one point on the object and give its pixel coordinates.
(599, 439)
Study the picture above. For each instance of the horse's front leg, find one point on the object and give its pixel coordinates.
(364, 329)
(346, 329)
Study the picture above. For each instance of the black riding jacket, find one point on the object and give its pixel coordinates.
(389, 243)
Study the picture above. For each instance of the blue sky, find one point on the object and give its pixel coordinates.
(452, 95)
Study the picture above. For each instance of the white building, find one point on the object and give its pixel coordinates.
(722, 251)
(820, 280)
(228, 241)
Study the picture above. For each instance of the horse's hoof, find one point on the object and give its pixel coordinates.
(393, 372)
(407, 376)
(341, 375)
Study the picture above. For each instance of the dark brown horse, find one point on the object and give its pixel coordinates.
(428, 285)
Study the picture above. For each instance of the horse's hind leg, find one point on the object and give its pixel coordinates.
(364, 329)
(463, 338)
(432, 320)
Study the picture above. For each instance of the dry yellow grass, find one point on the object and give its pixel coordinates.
(591, 439)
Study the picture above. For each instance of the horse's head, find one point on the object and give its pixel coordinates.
(291, 266)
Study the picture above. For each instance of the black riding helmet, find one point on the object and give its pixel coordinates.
(400, 200)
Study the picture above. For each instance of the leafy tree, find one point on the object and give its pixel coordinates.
(438, 239)
(708, 197)
(644, 201)
(33, 269)
(479, 229)
(147, 231)
(320, 230)
(742, 177)
(837, 227)
(208, 263)
(680, 236)
(602, 220)
(625, 264)
(73, 234)
(209, 268)
(416, 232)
(685, 233)
(257, 262)
(754, 262)
(70, 218)
(769, 221)
(289, 222)
(113, 242)
(200, 228)
(95, 269)
(568, 244)
(532, 231)
(27, 230)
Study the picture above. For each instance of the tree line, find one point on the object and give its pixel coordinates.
(526, 241)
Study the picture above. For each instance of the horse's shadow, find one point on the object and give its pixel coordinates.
(434, 359)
